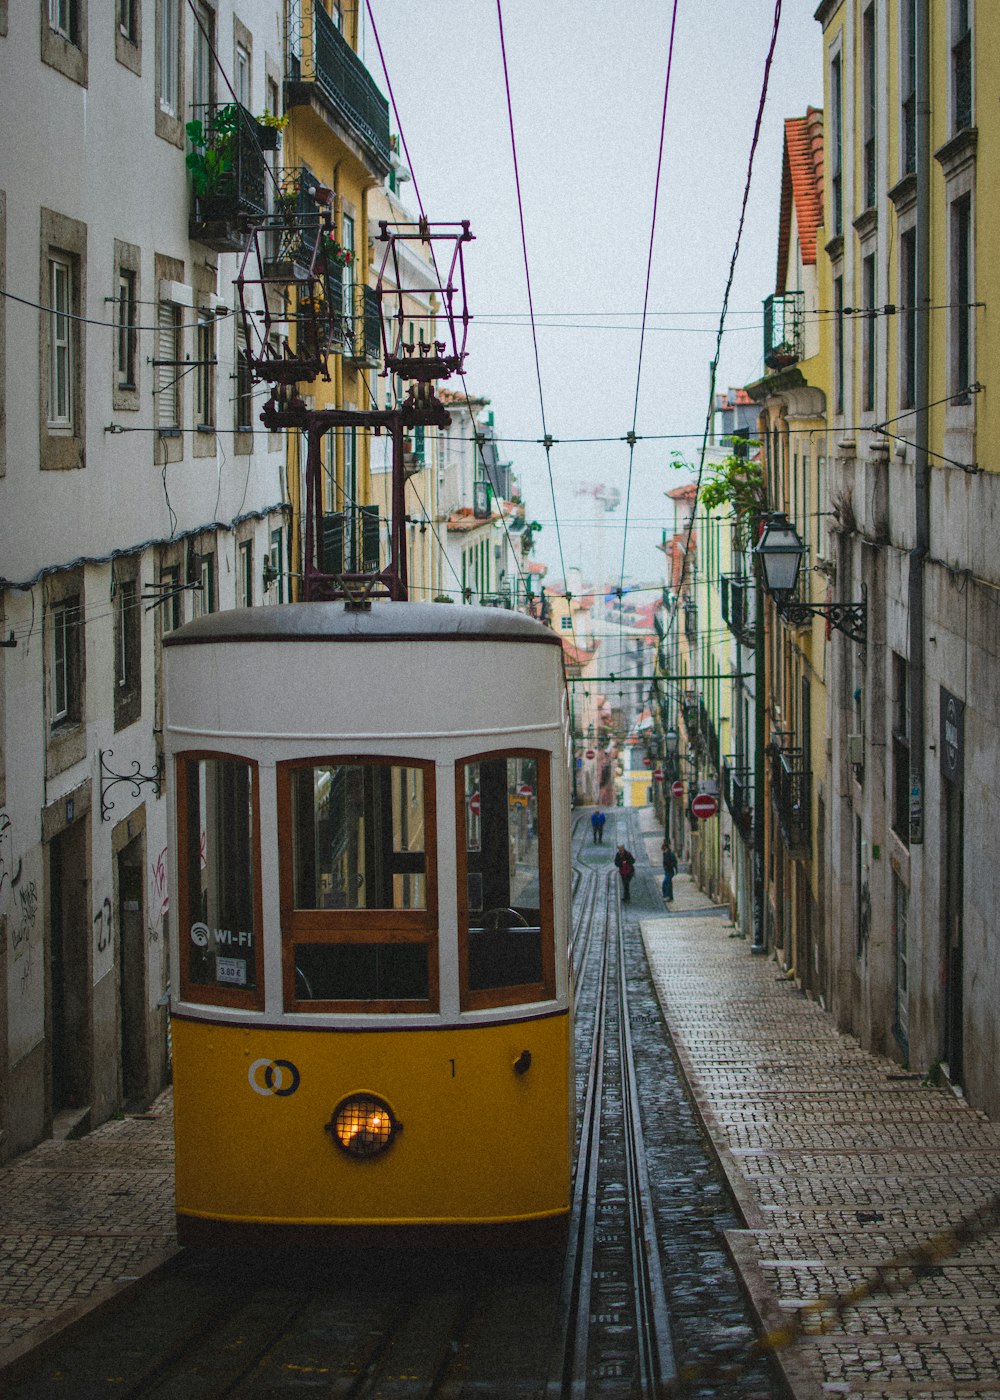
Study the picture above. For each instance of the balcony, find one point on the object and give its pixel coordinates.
(350, 542)
(229, 175)
(791, 789)
(709, 733)
(362, 325)
(321, 65)
(783, 316)
(738, 792)
(738, 611)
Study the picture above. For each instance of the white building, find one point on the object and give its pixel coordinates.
(136, 490)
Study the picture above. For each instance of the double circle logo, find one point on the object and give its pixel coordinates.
(273, 1077)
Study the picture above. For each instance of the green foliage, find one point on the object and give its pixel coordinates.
(737, 483)
(213, 151)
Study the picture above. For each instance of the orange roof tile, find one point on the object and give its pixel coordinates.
(801, 188)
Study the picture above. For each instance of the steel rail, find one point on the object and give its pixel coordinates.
(657, 1362)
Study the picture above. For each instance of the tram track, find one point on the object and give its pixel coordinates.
(614, 1329)
(643, 1275)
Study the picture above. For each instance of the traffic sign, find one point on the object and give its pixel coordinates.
(590, 754)
(474, 804)
(657, 775)
(677, 788)
(704, 806)
(647, 762)
(526, 790)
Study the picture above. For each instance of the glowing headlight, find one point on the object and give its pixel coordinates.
(363, 1125)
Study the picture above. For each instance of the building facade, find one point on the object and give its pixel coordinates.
(136, 491)
(914, 717)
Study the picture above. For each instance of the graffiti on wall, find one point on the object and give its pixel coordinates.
(10, 874)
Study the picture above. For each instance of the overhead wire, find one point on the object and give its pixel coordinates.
(423, 214)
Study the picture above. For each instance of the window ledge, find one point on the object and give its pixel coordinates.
(958, 153)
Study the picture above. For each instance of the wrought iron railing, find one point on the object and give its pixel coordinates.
(362, 325)
(349, 87)
(783, 330)
(709, 733)
(738, 607)
(791, 787)
(349, 543)
(229, 175)
(737, 790)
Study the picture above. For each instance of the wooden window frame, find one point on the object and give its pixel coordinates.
(212, 994)
(526, 993)
(330, 926)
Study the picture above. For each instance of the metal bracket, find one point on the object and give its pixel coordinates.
(137, 778)
(849, 618)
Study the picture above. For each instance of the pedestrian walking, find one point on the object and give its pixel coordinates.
(597, 820)
(625, 861)
(669, 871)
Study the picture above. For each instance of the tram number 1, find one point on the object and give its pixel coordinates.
(452, 1063)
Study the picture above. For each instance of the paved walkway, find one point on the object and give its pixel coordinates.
(839, 1160)
(80, 1220)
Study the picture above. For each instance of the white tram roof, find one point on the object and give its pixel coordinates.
(383, 622)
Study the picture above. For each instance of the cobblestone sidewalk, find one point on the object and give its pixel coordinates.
(839, 1160)
(80, 1219)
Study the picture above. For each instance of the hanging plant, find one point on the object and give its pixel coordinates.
(213, 149)
(335, 254)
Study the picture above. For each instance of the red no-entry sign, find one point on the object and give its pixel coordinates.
(474, 804)
(590, 754)
(704, 805)
(657, 775)
(677, 788)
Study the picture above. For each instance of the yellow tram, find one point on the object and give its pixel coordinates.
(371, 1001)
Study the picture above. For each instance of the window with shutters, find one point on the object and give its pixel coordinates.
(276, 566)
(61, 343)
(908, 317)
(168, 368)
(203, 68)
(961, 65)
(126, 333)
(169, 109)
(836, 146)
(64, 673)
(869, 326)
(908, 87)
(869, 106)
(205, 376)
(962, 312)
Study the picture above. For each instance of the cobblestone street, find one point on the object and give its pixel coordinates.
(838, 1160)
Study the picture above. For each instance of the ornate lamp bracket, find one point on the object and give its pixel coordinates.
(137, 778)
(849, 618)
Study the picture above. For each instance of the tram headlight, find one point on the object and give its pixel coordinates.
(363, 1125)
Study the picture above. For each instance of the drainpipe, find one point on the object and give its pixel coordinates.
(921, 493)
(759, 944)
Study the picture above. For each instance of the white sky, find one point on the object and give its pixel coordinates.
(587, 92)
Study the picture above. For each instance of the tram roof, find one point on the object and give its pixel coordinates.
(383, 622)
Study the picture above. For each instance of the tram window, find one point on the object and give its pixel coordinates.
(361, 971)
(358, 837)
(505, 880)
(358, 886)
(218, 879)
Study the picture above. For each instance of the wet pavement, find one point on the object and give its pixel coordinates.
(837, 1160)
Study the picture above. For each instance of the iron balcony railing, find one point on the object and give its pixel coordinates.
(791, 786)
(783, 330)
(229, 175)
(362, 325)
(708, 731)
(737, 790)
(738, 610)
(319, 57)
(349, 543)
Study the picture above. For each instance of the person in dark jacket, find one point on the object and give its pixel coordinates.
(625, 861)
(669, 871)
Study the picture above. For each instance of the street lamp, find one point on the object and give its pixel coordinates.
(779, 553)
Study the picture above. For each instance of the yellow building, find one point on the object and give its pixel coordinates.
(337, 137)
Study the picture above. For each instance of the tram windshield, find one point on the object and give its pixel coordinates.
(358, 837)
(506, 854)
(359, 912)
